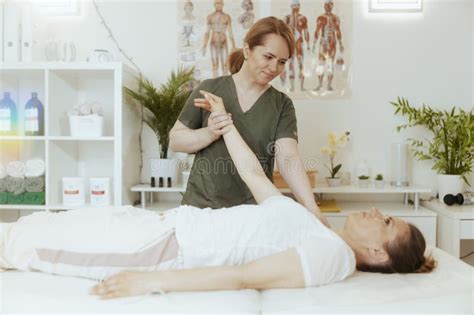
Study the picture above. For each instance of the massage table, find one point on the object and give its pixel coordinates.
(448, 289)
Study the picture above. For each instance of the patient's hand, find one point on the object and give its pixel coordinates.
(127, 283)
(210, 102)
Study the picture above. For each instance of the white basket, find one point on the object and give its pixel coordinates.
(89, 126)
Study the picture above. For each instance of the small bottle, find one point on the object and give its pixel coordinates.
(153, 182)
(34, 116)
(8, 116)
(160, 182)
(169, 182)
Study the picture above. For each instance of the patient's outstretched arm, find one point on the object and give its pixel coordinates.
(281, 270)
(247, 164)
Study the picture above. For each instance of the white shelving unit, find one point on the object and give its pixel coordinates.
(61, 86)
(423, 218)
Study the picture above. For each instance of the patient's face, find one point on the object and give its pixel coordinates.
(372, 229)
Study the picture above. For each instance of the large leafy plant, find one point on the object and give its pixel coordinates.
(162, 107)
(452, 145)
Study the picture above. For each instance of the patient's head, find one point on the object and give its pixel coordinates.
(386, 244)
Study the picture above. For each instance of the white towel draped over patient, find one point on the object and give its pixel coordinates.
(93, 243)
(16, 169)
(35, 168)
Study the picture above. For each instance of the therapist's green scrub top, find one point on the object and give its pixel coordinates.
(214, 181)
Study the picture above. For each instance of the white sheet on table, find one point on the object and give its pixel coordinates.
(447, 290)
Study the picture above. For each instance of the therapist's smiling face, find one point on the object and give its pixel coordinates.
(267, 61)
(372, 229)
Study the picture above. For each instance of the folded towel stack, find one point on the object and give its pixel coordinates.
(3, 171)
(15, 185)
(35, 168)
(34, 184)
(19, 177)
(3, 184)
(16, 169)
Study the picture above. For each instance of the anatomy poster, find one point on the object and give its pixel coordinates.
(208, 31)
(321, 66)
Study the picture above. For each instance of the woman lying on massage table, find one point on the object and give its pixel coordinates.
(275, 244)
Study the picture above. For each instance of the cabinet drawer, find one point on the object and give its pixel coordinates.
(466, 229)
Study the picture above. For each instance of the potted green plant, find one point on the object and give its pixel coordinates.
(335, 143)
(364, 181)
(378, 181)
(161, 108)
(451, 147)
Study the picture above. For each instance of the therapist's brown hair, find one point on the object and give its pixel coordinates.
(406, 255)
(256, 37)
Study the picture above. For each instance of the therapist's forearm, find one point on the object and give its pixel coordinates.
(191, 141)
(298, 182)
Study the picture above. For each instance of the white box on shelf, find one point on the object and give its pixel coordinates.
(73, 191)
(89, 126)
(99, 188)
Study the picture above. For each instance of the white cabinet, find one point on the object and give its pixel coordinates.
(455, 223)
(60, 87)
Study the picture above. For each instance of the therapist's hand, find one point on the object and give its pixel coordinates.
(321, 218)
(219, 123)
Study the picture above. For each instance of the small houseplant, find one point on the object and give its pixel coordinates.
(364, 181)
(378, 181)
(451, 147)
(161, 110)
(335, 143)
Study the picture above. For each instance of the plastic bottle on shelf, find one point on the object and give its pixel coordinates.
(8, 116)
(34, 116)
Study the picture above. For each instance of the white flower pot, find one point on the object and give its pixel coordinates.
(363, 183)
(449, 184)
(379, 184)
(165, 168)
(333, 181)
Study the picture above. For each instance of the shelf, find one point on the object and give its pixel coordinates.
(318, 189)
(67, 138)
(63, 207)
(22, 207)
(148, 188)
(455, 211)
(22, 138)
(15, 66)
(352, 189)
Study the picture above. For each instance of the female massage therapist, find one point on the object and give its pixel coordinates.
(264, 116)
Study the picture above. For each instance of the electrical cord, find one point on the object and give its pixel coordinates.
(467, 255)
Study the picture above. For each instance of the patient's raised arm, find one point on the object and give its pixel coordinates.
(247, 164)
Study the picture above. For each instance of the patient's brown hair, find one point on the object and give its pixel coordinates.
(256, 36)
(406, 255)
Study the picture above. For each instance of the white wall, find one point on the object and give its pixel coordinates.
(426, 57)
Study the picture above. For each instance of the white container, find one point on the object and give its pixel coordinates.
(89, 126)
(73, 191)
(363, 169)
(99, 189)
(399, 157)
